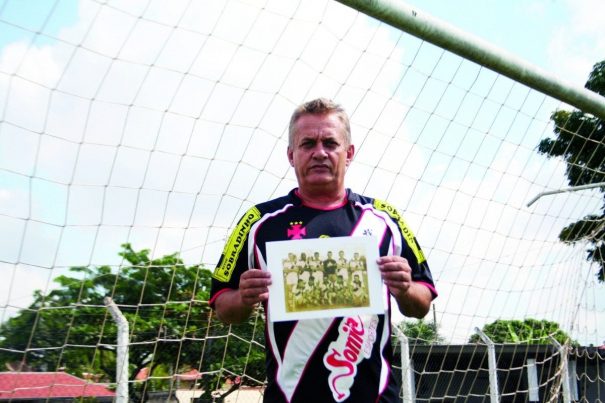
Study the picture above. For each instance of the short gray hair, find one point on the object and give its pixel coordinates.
(320, 106)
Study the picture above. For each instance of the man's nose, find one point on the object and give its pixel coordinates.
(320, 151)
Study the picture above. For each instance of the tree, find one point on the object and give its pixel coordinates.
(579, 140)
(165, 303)
(421, 332)
(528, 331)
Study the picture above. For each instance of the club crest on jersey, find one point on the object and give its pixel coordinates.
(356, 336)
(296, 230)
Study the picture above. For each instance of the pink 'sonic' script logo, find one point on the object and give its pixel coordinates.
(354, 343)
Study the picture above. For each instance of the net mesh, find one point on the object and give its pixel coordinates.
(134, 135)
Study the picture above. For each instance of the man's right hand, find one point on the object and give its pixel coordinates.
(254, 286)
(235, 306)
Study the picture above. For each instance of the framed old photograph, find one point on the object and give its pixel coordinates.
(324, 277)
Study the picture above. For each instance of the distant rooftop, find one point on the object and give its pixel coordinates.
(36, 385)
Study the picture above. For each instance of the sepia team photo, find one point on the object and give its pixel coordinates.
(313, 281)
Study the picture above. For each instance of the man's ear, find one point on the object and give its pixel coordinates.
(290, 156)
(350, 153)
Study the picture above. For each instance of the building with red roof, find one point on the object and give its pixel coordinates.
(49, 387)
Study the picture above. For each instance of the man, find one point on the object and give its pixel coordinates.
(328, 359)
(316, 267)
(343, 267)
(330, 267)
(304, 271)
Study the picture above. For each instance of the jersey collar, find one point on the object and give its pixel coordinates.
(350, 197)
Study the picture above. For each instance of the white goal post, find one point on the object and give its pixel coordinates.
(437, 32)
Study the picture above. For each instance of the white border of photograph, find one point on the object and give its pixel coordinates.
(279, 251)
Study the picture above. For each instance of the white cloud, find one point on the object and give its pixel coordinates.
(575, 47)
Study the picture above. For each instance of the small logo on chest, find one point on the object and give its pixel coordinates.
(296, 230)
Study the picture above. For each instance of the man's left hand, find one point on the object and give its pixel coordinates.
(396, 274)
(414, 299)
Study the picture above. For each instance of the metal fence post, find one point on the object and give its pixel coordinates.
(564, 369)
(122, 350)
(407, 376)
(493, 366)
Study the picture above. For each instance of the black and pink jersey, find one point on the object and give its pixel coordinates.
(344, 359)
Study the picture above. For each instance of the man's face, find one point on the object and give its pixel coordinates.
(319, 152)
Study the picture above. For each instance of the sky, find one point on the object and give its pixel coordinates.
(562, 37)
(162, 130)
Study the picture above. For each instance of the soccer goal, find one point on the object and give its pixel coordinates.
(133, 136)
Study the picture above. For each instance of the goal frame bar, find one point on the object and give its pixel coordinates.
(435, 31)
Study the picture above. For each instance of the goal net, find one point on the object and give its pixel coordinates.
(133, 135)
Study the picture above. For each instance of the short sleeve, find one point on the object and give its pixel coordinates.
(411, 249)
(234, 259)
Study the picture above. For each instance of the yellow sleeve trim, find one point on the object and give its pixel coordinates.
(235, 244)
(408, 235)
